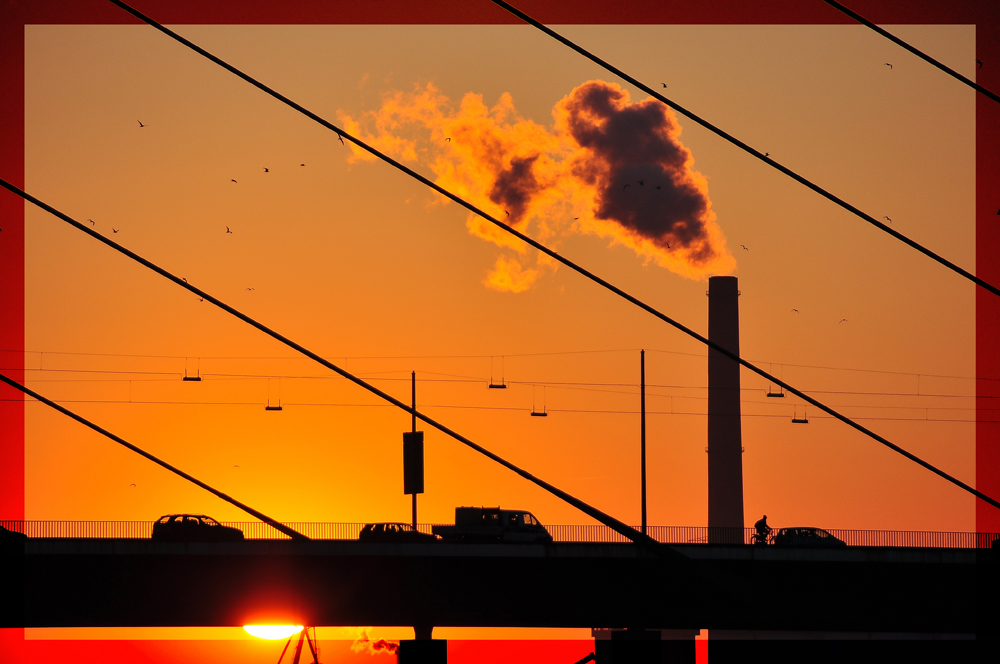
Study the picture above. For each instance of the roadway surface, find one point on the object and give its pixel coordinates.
(138, 582)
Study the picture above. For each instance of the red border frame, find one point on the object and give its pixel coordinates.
(985, 14)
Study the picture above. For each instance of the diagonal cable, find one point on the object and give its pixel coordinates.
(746, 148)
(915, 51)
(277, 525)
(549, 252)
(607, 520)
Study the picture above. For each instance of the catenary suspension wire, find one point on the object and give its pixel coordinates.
(609, 521)
(565, 261)
(749, 150)
(915, 51)
(451, 357)
(277, 525)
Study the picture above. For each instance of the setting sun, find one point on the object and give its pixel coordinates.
(272, 631)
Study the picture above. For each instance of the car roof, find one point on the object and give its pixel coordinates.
(387, 523)
(203, 516)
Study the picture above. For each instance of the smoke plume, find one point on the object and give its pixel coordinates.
(608, 167)
(364, 644)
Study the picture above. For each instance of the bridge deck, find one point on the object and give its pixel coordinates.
(137, 582)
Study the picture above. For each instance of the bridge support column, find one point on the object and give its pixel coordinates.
(432, 651)
(639, 646)
(423, 649)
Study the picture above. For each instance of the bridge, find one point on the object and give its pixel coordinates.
(135, 581)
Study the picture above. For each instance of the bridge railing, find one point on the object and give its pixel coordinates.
(560, 533)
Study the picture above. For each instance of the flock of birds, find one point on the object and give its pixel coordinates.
(229, 231)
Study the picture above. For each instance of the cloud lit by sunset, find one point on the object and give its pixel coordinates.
(608, 167)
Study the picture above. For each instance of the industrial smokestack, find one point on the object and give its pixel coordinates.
(725, 437)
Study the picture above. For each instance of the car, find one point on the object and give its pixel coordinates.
(193, 528)
(807, 537)
(393, 532)
(492, 524)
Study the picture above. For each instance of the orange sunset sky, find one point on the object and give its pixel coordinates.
(373, 271)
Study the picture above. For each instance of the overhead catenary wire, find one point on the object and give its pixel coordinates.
(586, 386)
(521, 409)
(746, 148)
(277, 525)
(464, 356)
(912, 49)
(606, 519)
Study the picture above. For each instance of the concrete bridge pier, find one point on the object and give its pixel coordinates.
(423, 649)
(643, 646)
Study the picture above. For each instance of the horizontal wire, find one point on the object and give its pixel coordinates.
(579, 385)
(497, 355)
(146, 402)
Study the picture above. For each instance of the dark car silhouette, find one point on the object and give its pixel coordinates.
(12, 541)
(393, 532)
(807, 537)
(193, 528)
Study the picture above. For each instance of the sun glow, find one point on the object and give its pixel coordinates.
(272, 631)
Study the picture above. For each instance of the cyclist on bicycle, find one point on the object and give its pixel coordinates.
(763, 530)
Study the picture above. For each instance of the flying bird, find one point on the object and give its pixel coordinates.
(301, 164)
(140, 124)
(506, 213)
(795, 311)
(979, 64)
(663, 84)
(341, 139)
(184, 279)
(267, 170)
(842, 320)
(448, 139)
(668, 245)
(659, 187)
(744, 247)
(91, 222)
(201, 299)
(626, 187)
(767, 154)
(114, 229)
(234, 181)
(888, 65)
(228, 231)
(235, 466)
(249, 289)
(132, 485)
(887, 219)
(641, 182)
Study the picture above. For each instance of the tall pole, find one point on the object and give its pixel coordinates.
(642, 403)
(413, 393)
